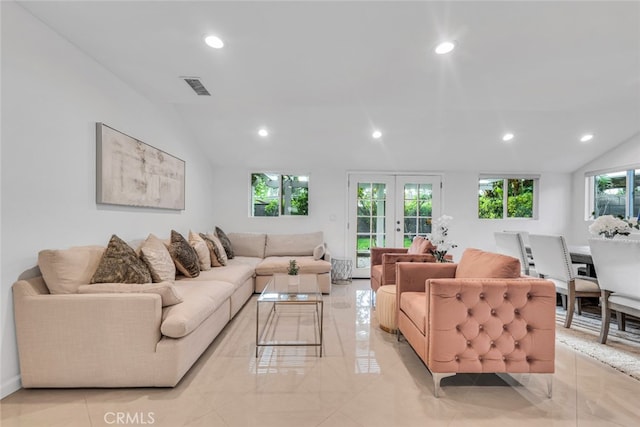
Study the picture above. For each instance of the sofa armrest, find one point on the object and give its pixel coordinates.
(412, 276)
(490, 325)
(54, 332)
(376, 254)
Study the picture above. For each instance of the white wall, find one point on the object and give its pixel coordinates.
(328, 207)
(52, 95)
(623, 157)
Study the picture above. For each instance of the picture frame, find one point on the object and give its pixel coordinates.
(130, 172)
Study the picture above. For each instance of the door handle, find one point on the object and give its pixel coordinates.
(397, 229)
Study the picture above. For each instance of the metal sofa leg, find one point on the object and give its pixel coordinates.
(549, 385)
(437, 377)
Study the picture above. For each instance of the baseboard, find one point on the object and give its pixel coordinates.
(10, 386)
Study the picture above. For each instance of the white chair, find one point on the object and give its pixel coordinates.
(553, 262)
(617, 264)
(512, 244)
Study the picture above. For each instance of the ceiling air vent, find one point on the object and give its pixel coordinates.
(196, 85)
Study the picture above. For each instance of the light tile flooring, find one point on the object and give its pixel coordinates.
(366, 378)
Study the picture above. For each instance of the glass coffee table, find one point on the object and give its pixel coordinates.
(279, 293)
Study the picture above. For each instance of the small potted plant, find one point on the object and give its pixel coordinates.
(292, 271)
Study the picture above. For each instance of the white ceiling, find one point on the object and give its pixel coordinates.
(322, 75)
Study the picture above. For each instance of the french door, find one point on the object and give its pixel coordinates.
(388, 211)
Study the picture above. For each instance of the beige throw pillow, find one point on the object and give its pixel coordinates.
(214, 250)
(223, 258)
(166, 290)
(155, 254)
(318, 252)
(201, 249)
(120, 264)
(63, 270)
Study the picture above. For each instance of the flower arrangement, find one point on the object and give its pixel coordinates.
(609, 226)
(293, 268)
(440, 237)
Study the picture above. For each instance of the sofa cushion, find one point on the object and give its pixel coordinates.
(64, 270)
(248, 244)
(245, 260)
(226, 243)
(307, 265)
(414, 305)
(199, 300)
(376, 273)
(300, 244)
(480, 264)
(120, 264)
(155, 254)
(166, 290)
(234, 274)
(202, 250)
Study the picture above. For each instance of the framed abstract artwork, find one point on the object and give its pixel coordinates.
(132, 173)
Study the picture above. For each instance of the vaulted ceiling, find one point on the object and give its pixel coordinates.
(321, 76)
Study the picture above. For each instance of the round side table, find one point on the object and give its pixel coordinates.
(386, 308)
(341, 270)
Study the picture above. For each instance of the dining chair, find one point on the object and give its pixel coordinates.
(553, 262)
(512, 244)
(617, 264)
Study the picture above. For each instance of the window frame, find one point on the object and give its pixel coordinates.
(280, 196)
(590, 195)
(505, 194)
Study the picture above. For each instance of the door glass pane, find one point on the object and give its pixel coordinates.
(417, 211)
(370, 221)
(610, 192)
(635, 210)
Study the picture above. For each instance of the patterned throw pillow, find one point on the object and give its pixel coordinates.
(226, 243)
(202, 249)
(216, 250)
(155, 254)
(120, 264)
(184, 256)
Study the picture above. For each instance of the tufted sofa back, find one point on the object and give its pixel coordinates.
(491, 325)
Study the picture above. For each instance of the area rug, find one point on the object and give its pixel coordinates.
(622, 350)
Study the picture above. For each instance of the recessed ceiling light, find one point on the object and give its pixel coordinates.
(376, 134)
(214, 41)
(507, 136)
(263, 132)
(445, 47)
(586, 137)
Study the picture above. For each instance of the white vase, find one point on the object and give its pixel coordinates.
(294, 280)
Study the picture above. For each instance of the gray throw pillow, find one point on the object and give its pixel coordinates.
(226, 243)
(120, 264)
(184, 256)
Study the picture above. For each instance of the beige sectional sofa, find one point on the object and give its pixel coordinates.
(116, 339)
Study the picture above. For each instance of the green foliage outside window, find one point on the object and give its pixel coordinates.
(518, 200)
(276, 195)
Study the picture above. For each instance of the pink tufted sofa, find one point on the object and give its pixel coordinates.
(477, 316)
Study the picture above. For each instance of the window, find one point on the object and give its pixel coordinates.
(518, 201)
(279, 195)
(614, 193)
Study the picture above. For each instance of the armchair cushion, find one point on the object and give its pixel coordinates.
(413, 304)
(480, 264)
(420, 245)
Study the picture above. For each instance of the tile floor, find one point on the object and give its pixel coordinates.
(366, 378)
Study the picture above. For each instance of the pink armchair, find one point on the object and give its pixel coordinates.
(383, 260)
(478, 316)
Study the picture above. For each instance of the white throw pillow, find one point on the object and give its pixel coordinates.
(202, 250)
(63, 270)
(155, 254)
(318, 252)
